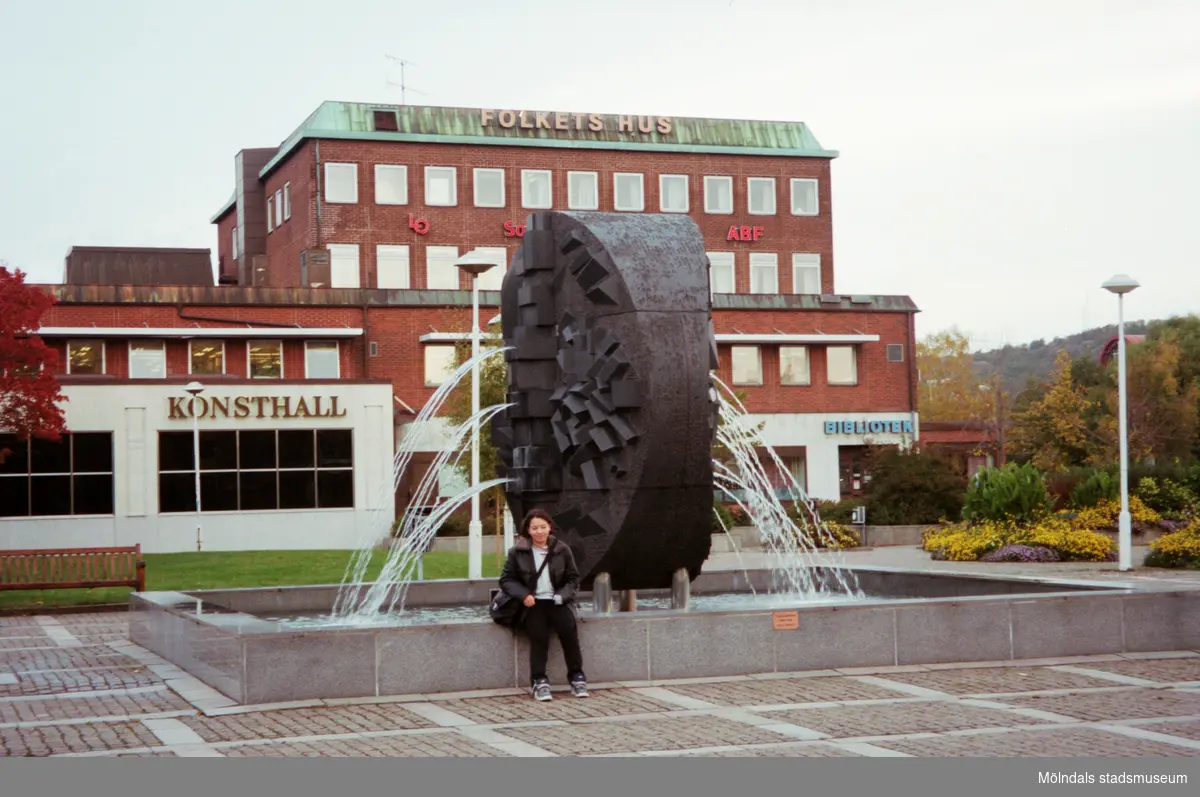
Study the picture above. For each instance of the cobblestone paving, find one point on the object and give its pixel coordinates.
(1070, 742)
(897, 718)
(993, 680)
(785, 690)
(49, 665)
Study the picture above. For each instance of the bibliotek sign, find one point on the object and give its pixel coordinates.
(868, 427)
(241, 407)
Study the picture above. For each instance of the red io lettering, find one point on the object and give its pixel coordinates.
(744, 233)
(514, 230)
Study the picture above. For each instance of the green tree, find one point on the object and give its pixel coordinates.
(1162, 410)
(1052, 430)
(949, 381)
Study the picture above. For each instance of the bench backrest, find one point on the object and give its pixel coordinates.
(48, 568)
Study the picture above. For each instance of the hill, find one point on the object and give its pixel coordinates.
(1019, 363)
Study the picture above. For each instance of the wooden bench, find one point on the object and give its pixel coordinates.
(73, 568)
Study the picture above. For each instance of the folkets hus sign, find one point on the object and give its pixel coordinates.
(868, 427)
(239, 407)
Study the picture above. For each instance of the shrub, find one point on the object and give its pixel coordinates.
(1021, 553)
(1167, 496)
(1177, 549)
(1014, 493)
(836, 511)
(912, 487)
(721, 514)
(739, 516)
(1100, 486)
(968, 543)
(1106, 514)
(454, 526)
(831, 535)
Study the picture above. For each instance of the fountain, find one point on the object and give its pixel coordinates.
(610, 422)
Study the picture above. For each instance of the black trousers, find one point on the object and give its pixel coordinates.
(542, 618)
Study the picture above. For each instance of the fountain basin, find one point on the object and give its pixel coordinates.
(223, 637)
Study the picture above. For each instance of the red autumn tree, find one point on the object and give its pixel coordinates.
(30, 397)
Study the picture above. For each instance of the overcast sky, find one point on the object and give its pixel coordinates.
(999, 160)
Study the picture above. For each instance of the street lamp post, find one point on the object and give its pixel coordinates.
(194, 389)
(474, 263)
(1122, 284)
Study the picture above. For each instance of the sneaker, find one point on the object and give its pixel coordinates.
(541, 690)
(579, 688)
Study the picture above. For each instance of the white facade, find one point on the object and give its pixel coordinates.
(135, 414)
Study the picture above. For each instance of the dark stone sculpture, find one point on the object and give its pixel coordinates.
(613, 417)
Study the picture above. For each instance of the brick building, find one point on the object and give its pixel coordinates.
(335, 276)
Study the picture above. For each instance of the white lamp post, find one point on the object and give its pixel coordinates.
(473, 264)
(1122, 284)
(194, 389)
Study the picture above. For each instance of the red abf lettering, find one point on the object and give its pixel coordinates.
(744, 233)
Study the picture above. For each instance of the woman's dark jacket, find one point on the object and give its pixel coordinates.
(517, 577)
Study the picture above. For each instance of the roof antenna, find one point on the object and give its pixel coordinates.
(404, 87)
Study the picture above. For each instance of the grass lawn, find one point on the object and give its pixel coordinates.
(220, 569)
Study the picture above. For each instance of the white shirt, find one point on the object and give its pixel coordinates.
(545, 590)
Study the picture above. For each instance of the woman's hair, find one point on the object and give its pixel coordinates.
(533, 514)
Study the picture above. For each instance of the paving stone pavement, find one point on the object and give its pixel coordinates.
(73, 685)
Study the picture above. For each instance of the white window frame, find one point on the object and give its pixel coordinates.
(391, 253)
(442, 250)
(733, 365)
(162, 348)
(662, 193)
(717, 178)
(475, 184)
(103, 354)
(761, 261)
(308, 346)
(341, 171)
(595, 179)
(287, 201)
(816, 211)
(750, 181)
(443, 171)
(441, 348)
(249, 365)
(805, 261)
(270, 214)
(335, 252)
(641, 181)
(234, 243)
(393, 169)
(528, 173)
(224, 355)
(807, 378)
(726, 259)
(488, 280)
(853, 362)
(278, 208)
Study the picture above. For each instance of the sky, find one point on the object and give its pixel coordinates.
(998, 160)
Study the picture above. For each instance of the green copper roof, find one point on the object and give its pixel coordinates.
(565, 129)
(228, 206)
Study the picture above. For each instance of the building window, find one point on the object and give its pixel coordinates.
(439, 364)
(287, 201)
(793, 365)
(841, 365)
(718, 194)
(391, 184)
(440, 272)
(804, 196)
(265, 359)
(489, 188)
(206, 357)
(341, 183)
(85, 356)
(391, 267)
(233, 249)
(321, 359)
(73, 476)
(673, 193)
(806, 273)
(343, 265)
(279, 207)
(629, 192)
(270, 214)
(721, 273)
(493, 278)
(257, 470)
(147, 359)
(760, 192)
(583, 191)
(536, 189)
(441, 186)
(747, 365)
(764, 272)
(895, 352)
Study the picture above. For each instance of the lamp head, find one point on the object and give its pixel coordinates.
(474, 263)
(193, 388)
(1120, 284)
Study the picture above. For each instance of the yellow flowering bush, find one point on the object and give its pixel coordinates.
(837, 535)
(1104, 515)
(960, 542)
(1177, 549)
